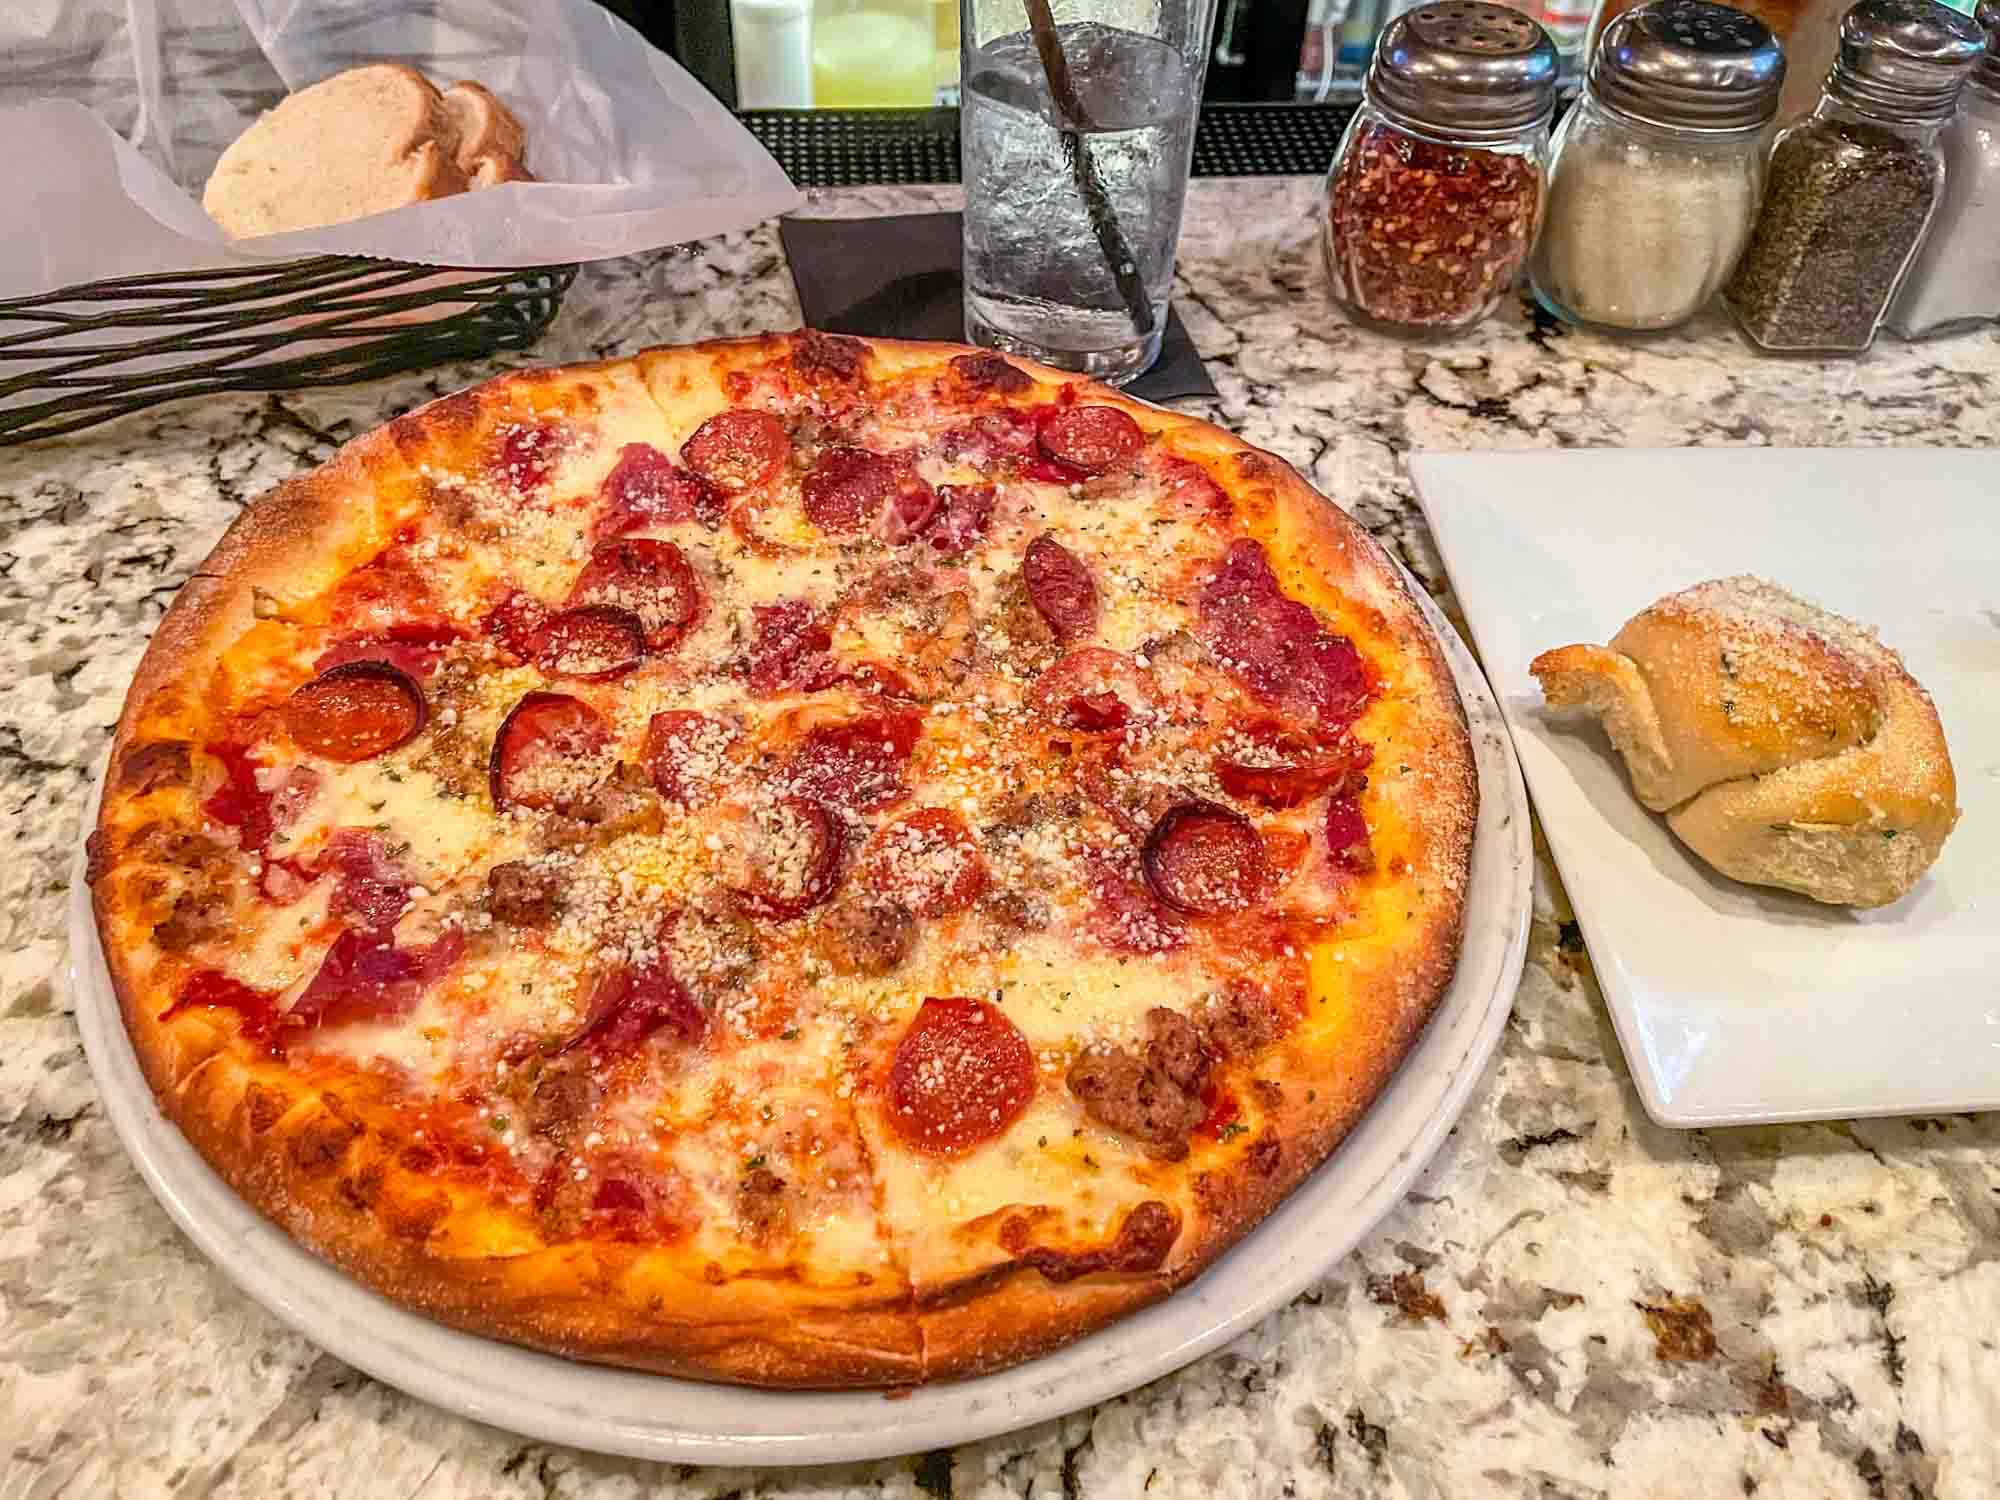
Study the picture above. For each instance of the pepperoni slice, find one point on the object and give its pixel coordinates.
(413, 645)
(1347, 836)
(526, 453)
(913, 507)
(788, 649)
(366, 977)
(685, 753)
(370, 887)
(356, 711)
(1061, 588)
(964, 513)
(1280, 765)
(962, 1074)
(1277, 646)
(856, 764)
(628, 1005)
(1127, 916)
(928, 861)
(1094, 689)
(651, 579)
(1091, 438)
(737, 450)
(514, 623)
(550, 751)
(1098, 711)
(593, 642)
(1204, 860)
(798, 862)
(645, 489)
(994, 436)
(1190, 490)
(848, 487)
(1117, 801)
(1285, 850)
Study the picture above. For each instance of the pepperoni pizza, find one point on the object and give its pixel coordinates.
(798, 860)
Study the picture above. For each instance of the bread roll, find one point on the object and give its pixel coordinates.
(1786, 745)
(488, 140)
(361, 142)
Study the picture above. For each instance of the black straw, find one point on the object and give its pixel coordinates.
(1096, 202)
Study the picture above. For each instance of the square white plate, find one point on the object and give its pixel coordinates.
(1737, 1004)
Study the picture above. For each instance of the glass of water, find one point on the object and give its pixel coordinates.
(1076, 125)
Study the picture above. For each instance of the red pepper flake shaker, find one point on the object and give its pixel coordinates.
(1435, 195)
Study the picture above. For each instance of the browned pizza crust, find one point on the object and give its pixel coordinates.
(338, 1170)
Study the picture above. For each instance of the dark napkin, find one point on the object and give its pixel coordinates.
(902, 277)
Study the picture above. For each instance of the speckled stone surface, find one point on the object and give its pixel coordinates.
(1573, 1303)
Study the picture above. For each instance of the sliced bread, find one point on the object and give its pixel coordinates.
(361, 142)
(487, 139)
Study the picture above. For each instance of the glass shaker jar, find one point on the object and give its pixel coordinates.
(1851, 188)
(1955, 283)
(1436, 191)
(1658, 168)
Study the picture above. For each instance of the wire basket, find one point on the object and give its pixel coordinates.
(81, 355)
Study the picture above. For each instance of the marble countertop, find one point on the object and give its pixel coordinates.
(1572, 1303)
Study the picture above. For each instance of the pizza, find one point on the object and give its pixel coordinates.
(799, 860)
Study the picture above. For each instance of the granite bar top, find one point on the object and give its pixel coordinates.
(1572, 1303)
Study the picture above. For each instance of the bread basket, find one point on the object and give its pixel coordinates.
(84, 354)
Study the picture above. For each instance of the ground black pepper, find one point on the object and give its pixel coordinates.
(1845, 203)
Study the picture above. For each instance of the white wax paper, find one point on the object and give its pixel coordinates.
(112, 115)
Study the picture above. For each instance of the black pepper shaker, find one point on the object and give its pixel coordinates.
(1851, 188)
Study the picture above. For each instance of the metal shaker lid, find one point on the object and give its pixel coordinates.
(1987, 19)
(1689, 64)
(1464, 69)
(1904, 60)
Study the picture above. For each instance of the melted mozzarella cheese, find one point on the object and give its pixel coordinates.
(877, 633)
(1058, 991)
(769, 1104)
(804, 574)
(281, 946)
(422, 1043)
(1051, 1158)
(445, 834)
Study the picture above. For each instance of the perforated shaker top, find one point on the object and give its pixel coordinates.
(1689, 64)
(1465, 69)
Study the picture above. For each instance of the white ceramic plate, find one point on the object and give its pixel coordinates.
(648, 1416)
(1736, 1004)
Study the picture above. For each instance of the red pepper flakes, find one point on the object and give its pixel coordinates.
(1426, 235)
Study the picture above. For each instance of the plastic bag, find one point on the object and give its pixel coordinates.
(112, 116)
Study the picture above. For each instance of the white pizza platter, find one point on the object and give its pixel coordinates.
(1738, 1004)
(685, 1421)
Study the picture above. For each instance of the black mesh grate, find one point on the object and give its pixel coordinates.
(854, 148)
(1268, 140)
(859, 147)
